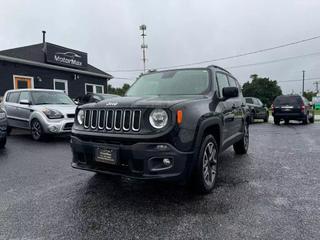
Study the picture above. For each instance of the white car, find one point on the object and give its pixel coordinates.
(44, 112)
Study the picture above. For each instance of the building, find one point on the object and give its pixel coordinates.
(50, 66)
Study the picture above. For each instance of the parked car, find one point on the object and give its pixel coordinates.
(171, 125)
(292, 107)
(257, 109)
(44, 112)
(93, 98)
(3, 128)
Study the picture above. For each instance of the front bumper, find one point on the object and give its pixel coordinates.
(57, 126)
(140, 160)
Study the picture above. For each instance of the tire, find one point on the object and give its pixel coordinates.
(251, 119)
(306, 120)
(37, 130)
(205, 172)
(3, 142)
(276, 121)
(9, 130)
(311, 120)
(241, 147)
(266, 119)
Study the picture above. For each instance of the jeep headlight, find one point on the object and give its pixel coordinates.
(80, 117)
(158, 118)
(52, 114)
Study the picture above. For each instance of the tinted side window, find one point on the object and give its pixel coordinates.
(25, 96)
(222, 81)
(233, 82)
(13, 97)
(249, 100)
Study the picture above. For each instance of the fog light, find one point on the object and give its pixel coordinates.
(166, 161)
(53, 129)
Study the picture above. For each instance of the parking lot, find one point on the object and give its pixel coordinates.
(273, 192)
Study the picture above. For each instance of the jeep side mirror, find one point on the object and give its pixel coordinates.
(24, 102)
(230, 92)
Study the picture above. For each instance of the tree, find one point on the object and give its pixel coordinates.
(263, 88)
(309, 94)
(118, 91)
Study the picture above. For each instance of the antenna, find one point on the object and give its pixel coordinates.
(144, 46)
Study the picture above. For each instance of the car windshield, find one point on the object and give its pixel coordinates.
(173, 82)
(107, 96)
(50, 97)
(288, 100)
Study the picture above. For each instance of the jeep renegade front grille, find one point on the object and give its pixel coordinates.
(113, 120)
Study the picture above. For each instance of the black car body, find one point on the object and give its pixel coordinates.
(292, 107)
(93, 98)
(257, 109)
(204, 112)
(3, 128)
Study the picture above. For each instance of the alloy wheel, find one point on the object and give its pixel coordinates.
(209, 164)
(36, 130)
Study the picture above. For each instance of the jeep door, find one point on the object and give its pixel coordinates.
(225, 106)
(237, 104)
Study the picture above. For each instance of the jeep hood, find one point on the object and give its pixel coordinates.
(163, 101)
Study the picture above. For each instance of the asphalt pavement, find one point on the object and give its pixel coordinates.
(273, 192)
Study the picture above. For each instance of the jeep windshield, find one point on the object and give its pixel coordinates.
(173, 82)
(50, 97)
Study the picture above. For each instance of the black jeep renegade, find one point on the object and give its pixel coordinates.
(170, 125)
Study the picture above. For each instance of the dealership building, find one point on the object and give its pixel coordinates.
(50, 66)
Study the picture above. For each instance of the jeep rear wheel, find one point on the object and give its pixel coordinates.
(205, 173)
(241, 147)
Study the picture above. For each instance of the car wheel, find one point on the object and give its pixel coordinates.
(205, 173)
(3, 142)
(251, 119)
(305, 120)
(241, 147)
(266, 118)
(37, 130)
(311, 120)
(276, 121)
(9, 130)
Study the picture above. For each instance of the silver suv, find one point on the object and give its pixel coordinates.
(44, 112)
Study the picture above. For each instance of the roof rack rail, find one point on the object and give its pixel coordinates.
(215, 66)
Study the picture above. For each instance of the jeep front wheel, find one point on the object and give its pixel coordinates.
(206, 169)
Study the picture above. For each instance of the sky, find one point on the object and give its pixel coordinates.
(178, 32)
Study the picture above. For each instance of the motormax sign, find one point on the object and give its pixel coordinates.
(65, 56)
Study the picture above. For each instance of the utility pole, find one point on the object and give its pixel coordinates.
(317, 86)
(303, 81)
(144, 46)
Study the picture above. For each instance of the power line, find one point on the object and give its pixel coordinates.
(273, 61)
(225, 58)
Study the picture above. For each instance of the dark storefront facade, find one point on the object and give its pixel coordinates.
(50, 66)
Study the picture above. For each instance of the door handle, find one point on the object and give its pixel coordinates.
(234, 106)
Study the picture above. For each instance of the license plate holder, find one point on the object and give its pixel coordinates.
(107, 154)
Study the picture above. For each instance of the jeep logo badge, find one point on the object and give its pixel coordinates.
(111, 104)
